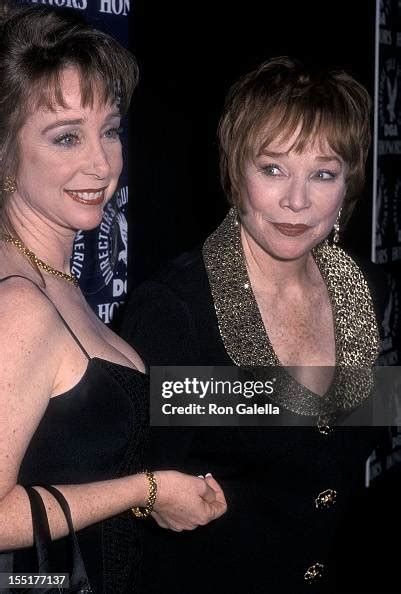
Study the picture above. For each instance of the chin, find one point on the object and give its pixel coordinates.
(289, 256)
(288, 251)
(88, 223)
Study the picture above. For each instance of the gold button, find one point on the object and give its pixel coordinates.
(326, 499)
(324, 429)
(314, 572)
(323, 424)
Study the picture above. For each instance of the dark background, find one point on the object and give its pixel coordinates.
(189, 54)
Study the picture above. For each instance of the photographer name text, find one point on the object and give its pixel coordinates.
(214, 409)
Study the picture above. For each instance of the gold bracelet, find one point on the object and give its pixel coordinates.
(144, 512)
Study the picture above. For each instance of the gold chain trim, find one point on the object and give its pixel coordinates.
(245, 339)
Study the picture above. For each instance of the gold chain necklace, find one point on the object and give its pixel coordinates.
(71, 278)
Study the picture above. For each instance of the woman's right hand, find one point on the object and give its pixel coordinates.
(185, 502)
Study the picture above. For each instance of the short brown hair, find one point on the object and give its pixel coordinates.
(36, 45)
(278, 97)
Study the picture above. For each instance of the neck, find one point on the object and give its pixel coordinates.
(49, 241)
(283, 275)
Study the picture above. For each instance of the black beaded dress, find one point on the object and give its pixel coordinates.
(96, 431)
(289, 489)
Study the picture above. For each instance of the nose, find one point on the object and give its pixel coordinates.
(96, 162)
(296, 196)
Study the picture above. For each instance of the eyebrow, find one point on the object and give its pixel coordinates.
(77, 122)
(321, 158)
(327, 159)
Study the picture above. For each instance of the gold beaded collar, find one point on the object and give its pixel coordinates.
(243, 332)
(71, 278)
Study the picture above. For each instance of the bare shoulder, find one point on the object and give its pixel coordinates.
(22, 297)
(29, 331)
(29, 323)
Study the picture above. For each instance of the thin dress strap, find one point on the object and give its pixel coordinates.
(61, 317)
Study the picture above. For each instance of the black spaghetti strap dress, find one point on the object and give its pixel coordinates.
(96, 431)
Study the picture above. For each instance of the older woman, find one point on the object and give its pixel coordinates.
(73, 394)
(269, 289)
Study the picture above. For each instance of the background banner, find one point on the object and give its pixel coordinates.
(386, 203)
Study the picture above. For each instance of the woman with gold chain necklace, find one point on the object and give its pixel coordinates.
(269, 289)
(74, 396)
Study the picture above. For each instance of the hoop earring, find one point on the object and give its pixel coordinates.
(9, 185)
(336, 236)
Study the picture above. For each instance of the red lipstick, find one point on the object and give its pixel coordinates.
(291, 230)
(91, 197)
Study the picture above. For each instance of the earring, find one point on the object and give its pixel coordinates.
(237, 219)
(336, 236)
(9, 185)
